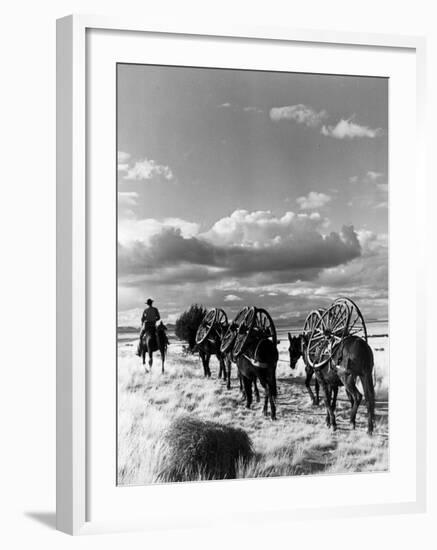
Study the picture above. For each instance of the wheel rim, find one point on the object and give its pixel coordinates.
(264, 326)
(205, 326)
(311, 321)
(243, 331)
(231, 332)
(356, 323)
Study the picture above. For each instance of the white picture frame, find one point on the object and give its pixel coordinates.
(72, 261)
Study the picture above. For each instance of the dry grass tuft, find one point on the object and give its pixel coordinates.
(192, 448)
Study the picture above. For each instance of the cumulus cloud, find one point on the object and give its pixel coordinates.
(348, 129)
(302, 114)
(141, 231)
(285, 249)
(146, 170)
(313, 200)
(260, 227)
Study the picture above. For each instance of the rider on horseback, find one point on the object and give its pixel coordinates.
(148, 321)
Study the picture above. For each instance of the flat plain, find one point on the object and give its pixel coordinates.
(297, 443)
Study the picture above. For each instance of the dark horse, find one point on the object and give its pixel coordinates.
(263, 367)
(352, 359)
(154, 339)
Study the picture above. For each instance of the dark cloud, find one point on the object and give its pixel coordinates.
(296, 257)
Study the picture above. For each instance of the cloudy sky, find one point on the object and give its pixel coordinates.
(244, 187)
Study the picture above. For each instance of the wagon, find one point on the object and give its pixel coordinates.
(325, 330)
(251, 326)
(214, 325)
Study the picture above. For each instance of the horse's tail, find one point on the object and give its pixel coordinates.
(367, 381)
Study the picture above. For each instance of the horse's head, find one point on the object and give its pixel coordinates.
(295, 349)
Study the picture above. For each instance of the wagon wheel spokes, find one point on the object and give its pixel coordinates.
(319, 355)
(316, 339)
(265, 325)
(356, 324)
(318, 349)
(311, 321)
(231, 332)
(243, 331)
(205, 326)
(338, 319)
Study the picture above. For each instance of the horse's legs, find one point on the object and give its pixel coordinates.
(162, 351)
(350, 397)
(327, 400)
(242, 389)
(266, 401)
(220, 366)
(327, 418)
(369, 394)
(356, 395)
(248, 390)
(228, 363)
(205, 363)
(309, 374)
(317, 388)
(222, 369)
(334, 394)
(256, 391)
(333, 399)
(150, 359)
(272, 403)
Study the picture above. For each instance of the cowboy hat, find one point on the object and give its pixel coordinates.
(149, 301)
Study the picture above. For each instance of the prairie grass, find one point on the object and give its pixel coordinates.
(298, 443)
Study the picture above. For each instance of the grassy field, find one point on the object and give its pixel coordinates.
(297, 443)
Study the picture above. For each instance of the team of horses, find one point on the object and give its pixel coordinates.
(351, 360)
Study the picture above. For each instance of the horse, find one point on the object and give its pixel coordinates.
(351, 359)
(154, 339)
(263, 367)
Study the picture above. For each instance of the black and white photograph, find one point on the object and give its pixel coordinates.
(252, 274)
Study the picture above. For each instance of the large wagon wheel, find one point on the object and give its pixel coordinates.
(327, 334)
(229, 337)
(263, 327)
(343, 318)
(205, 326)
(356, 325)
(243, 331)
